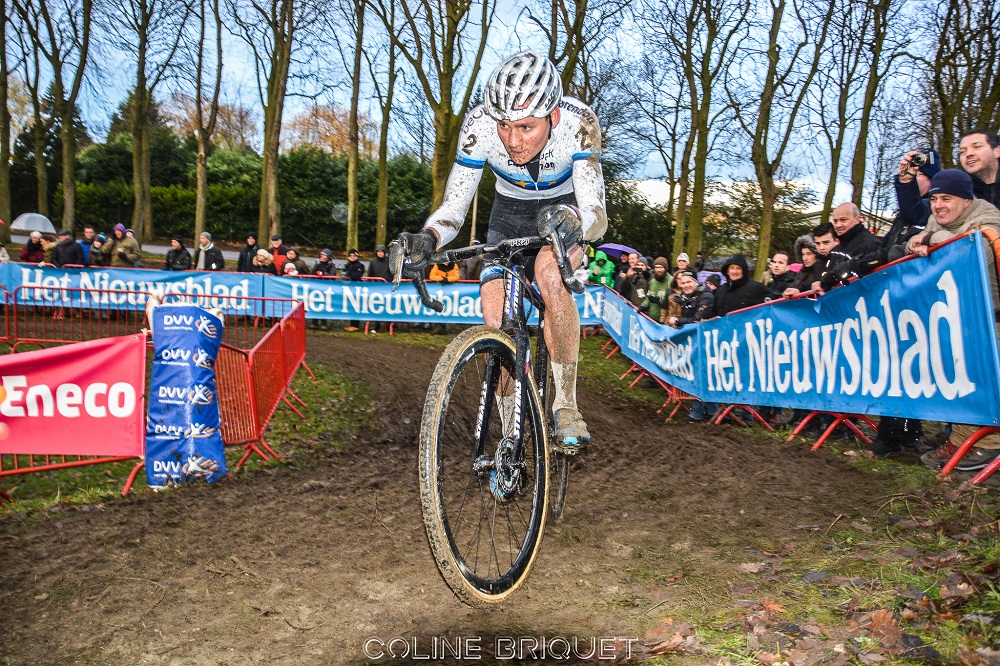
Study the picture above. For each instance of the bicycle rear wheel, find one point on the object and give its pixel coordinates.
(484, 512)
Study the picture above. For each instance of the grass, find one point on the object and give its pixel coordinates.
(338, 408)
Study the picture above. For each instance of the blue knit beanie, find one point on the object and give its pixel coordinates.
(952, 181)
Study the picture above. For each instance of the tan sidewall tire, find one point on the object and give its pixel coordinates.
(434, 405)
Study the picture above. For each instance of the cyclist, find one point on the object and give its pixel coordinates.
(545, 151)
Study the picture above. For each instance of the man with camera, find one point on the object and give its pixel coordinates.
(979, 153)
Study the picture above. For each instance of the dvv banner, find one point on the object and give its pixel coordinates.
(917, 339)
(183, 438)
(83, 399)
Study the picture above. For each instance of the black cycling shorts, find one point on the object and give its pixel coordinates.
(517, 218)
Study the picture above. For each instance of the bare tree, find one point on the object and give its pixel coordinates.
(32, 78)
(435, 43)
(385, 97)
(277, 32)
(767, 104)
(5, 128)
(963, 70)
(884, 50)
(205, 118)
(150, 32)
(236, 127)
(62, 30)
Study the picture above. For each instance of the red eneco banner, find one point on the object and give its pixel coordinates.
(84, 399)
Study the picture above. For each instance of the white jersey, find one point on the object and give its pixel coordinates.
(569, 163)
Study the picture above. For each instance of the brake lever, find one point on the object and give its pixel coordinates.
(565, 270)
(397, 253)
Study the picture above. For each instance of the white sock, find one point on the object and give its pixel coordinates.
(564, 381)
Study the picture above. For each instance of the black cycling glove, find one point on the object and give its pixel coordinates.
(561, 220)
(414, 250)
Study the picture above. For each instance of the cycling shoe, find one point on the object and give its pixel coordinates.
(571, 431)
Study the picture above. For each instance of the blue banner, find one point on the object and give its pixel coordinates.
(376, 301)
(917, 339)
(323, 298)
(183, 440)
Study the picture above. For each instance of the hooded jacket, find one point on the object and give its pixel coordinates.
(121, 252)
(447, 272)
(739, 294)
(355, 271)
(32, 252)
(602, 273)
(379, 268)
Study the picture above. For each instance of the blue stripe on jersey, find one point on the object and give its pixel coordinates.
(525, 182)
(469, 162)
(582, 156)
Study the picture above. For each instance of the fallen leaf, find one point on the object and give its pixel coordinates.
(772, 607)
(751, 567)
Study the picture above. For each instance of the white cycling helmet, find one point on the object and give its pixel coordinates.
(526, 84)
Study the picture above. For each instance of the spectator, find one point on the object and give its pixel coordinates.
(854, 241)
(781, 278)
(290, 269)
(911, 185)
(325, 265)
(178, 258)
(49, 243)
(354, 271)
(87, 242)
(121, 250)
(292, 256)
(625, 272)
(444, 273)
(954, 211)
(979, 153)
(4, 257)
(602, 271)
(697, 301)
(97, 256)
(657, 291)
(244, 263)
(740, 290)
(639, 282)
(683, 262)
(67, 251)
(263, 262)
(207, 257)
(378, 267)
(33, 252)
(805, 251)
(713, 282)
(277, 251)
(699, 262)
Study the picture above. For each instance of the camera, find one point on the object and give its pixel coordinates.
(920, 159)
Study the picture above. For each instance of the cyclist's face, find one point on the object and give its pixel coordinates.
(525, 138)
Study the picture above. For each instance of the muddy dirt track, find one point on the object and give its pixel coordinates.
(301, 564)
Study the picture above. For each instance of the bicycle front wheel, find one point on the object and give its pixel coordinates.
(483, 503)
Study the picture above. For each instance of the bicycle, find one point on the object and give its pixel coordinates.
(484, 463)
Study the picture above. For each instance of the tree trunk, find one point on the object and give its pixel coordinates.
(201, 183)
(352, 131)
(68, 136)
(41, 168)
(768, 194)
(269, 222)
(5, 206)
(684, 182)
(859, 164)
(382, 214)
(700, 175)
(142, 217)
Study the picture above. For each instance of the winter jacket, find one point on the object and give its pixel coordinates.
(32, 252)
(354, 270)
(213, 258)
(86, 246)
(264, 265)
(121, 252)
(777, 284)
(178, 260)
(300, 265)
(97, 256)
(698, 306)
(379, 268)
(857, 241)
(979, 214)
(637, 286)
(325, 268)
(988, 191)
(602, 273)
(740, 294)
(444, 272)
(279, 253)
(244, 263)
(68, 252)
(657, 293)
